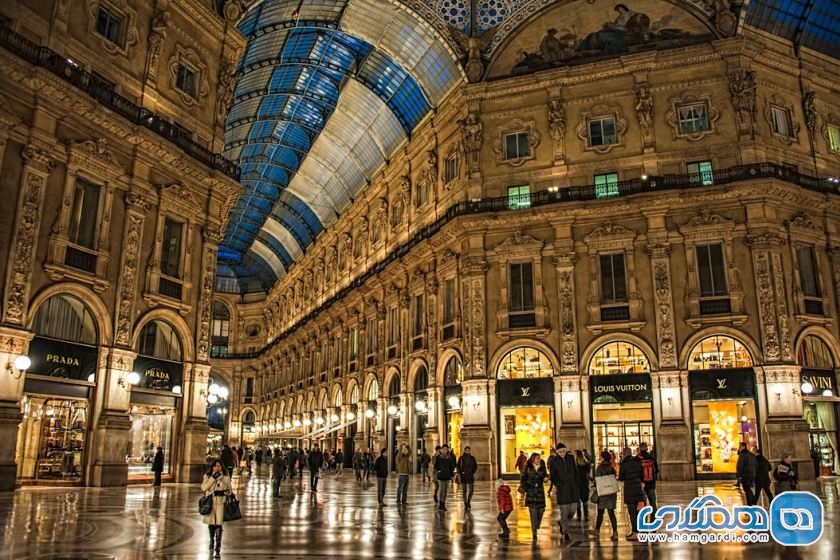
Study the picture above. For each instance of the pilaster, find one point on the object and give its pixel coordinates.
(13, 343)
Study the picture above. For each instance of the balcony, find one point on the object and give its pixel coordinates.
(170, 288)
(80, 259)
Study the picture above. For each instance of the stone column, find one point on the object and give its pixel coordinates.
(568, 411)
(432, 436)
(193, 461)
(786, 431)
(111, 424)
(476, 433)
(13, 343)
(673, 444)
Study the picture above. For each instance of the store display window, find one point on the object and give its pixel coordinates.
(63, 435)
(524, 429)
(719, 428)
(620, 425)
(524, 363)
(151, 427)
(820, 403)
(618, 357)
(719, 352)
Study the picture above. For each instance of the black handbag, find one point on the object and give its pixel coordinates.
(232, 512)
(205, 504)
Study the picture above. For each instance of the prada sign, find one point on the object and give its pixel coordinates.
(712, 384)
(56, 358)
(526, 392)
(620, 387)
(820, 379)
(158, 374)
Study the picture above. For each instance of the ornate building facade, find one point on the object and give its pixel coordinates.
(617, 231)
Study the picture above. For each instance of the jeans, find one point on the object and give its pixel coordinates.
(765, 487)
(313, 480)
(502, 519)
(467, 489)
(424, 470)
(651, 497)
(566, 511)
(402, 489)
(380, 489)
(600, 519)
(275, 487)
(444, 490)
(633, 512)
(536, 518)
(229, 469)
(747, 484)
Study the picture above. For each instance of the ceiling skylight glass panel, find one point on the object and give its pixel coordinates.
(277, 248)
(266, 254)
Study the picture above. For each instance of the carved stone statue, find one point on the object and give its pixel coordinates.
(156, 39)
(475, 48)
(471, 138)
(742, 92)
(725, 20)
(809, 106)
(644, 112)
(227, 85)
(431, 164)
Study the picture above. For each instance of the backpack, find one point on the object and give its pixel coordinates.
(648, 470)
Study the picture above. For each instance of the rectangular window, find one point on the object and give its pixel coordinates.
(85, 214)
(780, 119)
(422, 193)
(450, 172)
(613, 278)
(808, 275)
(185, 80)
(700, 173)
(602, 132)
(834, 138)
(372, 336)
(417, 329)
(521, 287)
(517, 145)
(393, 326)
(449, 301)
(249, 388)
(693, 118)
(354, 342)
(606, 184)
(109, 24)
(711, 268)
(170, 253)
(519, 197)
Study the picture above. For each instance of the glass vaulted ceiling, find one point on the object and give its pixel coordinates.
(327, 90)
(814, 24)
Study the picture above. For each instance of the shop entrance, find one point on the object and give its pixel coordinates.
(151, 427)
(619, 425)
(524, 430)
(819, 397)
(54, 432)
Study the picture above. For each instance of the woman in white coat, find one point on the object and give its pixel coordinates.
(217, 484)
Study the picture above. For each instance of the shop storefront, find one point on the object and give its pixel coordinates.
(453, 375)
(421, 413)
(820, 403)
(621, 398)
(525, 401)
(58, 391)
(724, 409)
(155, 400)
(217, 415)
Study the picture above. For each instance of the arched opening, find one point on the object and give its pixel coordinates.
(724, 409)
(156, 398)
(217, 414)
(249, 428)
(371, 411)
(394, 418)
(220, 330)
(421, 410)
(820, 402)
(621, 397)
(52, 441)
(453, 376)
(525, 400)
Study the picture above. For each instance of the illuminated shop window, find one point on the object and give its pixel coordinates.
(719, 352)
(523, 363)
(618, 357)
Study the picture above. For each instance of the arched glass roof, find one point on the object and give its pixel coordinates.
(327, 90)
(814, 24)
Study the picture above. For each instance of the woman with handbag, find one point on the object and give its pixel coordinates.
(216, 484)
(606, 486)
(532, 484)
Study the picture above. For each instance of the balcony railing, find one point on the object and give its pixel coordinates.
(104, 94)
(571, 194)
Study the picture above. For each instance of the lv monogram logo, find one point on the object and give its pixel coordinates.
(721, 383)
(526, 391)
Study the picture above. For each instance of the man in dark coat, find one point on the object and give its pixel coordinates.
(630, 472)
(157, 465)
(380, 467)
(315, 462)
(227, 459)
(563, 473)
(762, 478)
(467, 467)
(278, 471)
(650, 482)
(445, 470)
(746, 472)
(293, 459)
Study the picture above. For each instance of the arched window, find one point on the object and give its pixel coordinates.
(354, 395)
(220, 330)
(394, 386)
(159, 340)
(454, 372)
(524, 363)
(814, 354)
(373, 390)
(338, 399)
(65, 317)
(719, 352)
(618, 357)
(421, 379)
(217, 411)
(249, 418)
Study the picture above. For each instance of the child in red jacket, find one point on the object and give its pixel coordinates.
(505, 503)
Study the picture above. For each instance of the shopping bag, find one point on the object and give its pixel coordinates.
(606, 485)
(232, 512)
(205, 504)
(593, 494)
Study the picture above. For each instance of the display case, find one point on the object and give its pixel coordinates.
(615, 436)
(62, 441)
(703, 445)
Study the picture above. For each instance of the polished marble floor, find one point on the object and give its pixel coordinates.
(341, 521)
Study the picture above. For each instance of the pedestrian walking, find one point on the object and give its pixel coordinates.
(157, 465)
(521, 461)
(762, 479)
(564, 476)
(303, 459)
(278, 469)
(339, 462)
(425, 459)
(605, 473)
(403, 470)
(532, 484)
(258, 456)
(741, 447)
(367, 464)
(217, 484)
(630, 472)
(358, 463)
(315, 462)
(380, 467)
(467, 467)
(583, 467)
(434, 473)
(444, 471)
(745, 468)
(551, 454)
(785, 475)
(292, 460)
(228, 459)
(650, 472)
(505, 503)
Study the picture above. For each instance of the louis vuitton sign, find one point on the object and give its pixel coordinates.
(526, 392)
(712, 384)
(621, 387)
